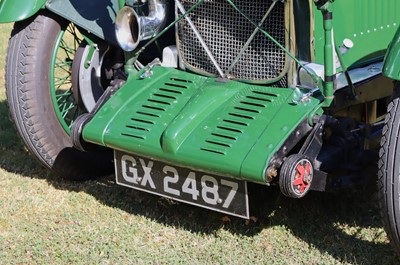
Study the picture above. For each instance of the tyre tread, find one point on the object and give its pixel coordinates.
(387, 196)
(23, 96)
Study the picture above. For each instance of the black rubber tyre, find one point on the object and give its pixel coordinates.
(291, 180)
(31, 104)
(389, 171)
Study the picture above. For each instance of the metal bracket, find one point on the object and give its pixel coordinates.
(147, 71)
(313, 143)
(79, 124)
(311, 148)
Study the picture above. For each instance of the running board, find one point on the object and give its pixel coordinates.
(222, 127)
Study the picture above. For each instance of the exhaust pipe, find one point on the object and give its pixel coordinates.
(131, 28)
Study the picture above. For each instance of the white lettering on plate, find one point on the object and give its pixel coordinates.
(208, 191)
(168, 179)
(147, 173)
(125, 168)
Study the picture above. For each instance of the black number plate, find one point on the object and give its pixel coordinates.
(217, 193)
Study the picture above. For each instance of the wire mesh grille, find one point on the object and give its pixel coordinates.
(225, 31)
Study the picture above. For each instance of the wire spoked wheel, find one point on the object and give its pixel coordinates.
(65, 105)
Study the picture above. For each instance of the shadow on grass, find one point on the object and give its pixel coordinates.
(323, 220)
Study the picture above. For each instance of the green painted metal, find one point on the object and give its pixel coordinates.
(370, 24)
(12, 11)
(95, 16)
(329, 48)
(228, 128)
(391, 67)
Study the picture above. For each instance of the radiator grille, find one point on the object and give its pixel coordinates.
(225, 31)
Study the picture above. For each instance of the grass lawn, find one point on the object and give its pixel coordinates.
(47, 220)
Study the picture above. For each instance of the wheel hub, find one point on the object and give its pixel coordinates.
(86, 75)
(303, 177)
(296, 176)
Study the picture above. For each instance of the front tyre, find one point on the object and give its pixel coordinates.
(389, 171)
(40, 96)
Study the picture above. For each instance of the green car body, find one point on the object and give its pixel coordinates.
(286, 93)
(10, 11)
(251, 157)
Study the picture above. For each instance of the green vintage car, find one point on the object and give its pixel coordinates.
(193, 99)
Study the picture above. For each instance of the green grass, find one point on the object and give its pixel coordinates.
(46, 220)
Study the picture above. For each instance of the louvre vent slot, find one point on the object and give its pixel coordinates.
(212, 151)
(137, 128)
(218, 143)
(133, 136)
(164, 96)
(229, 129)
(142, 121)
(260, 99)
(265, 94)
(180, 80)
(241, 116)
(148, 114)
(247, 110)
(159, 101)
(171, 91)
(252, 104)
(224, 136)
(153, 107)
(176, 85)
(236, 122)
